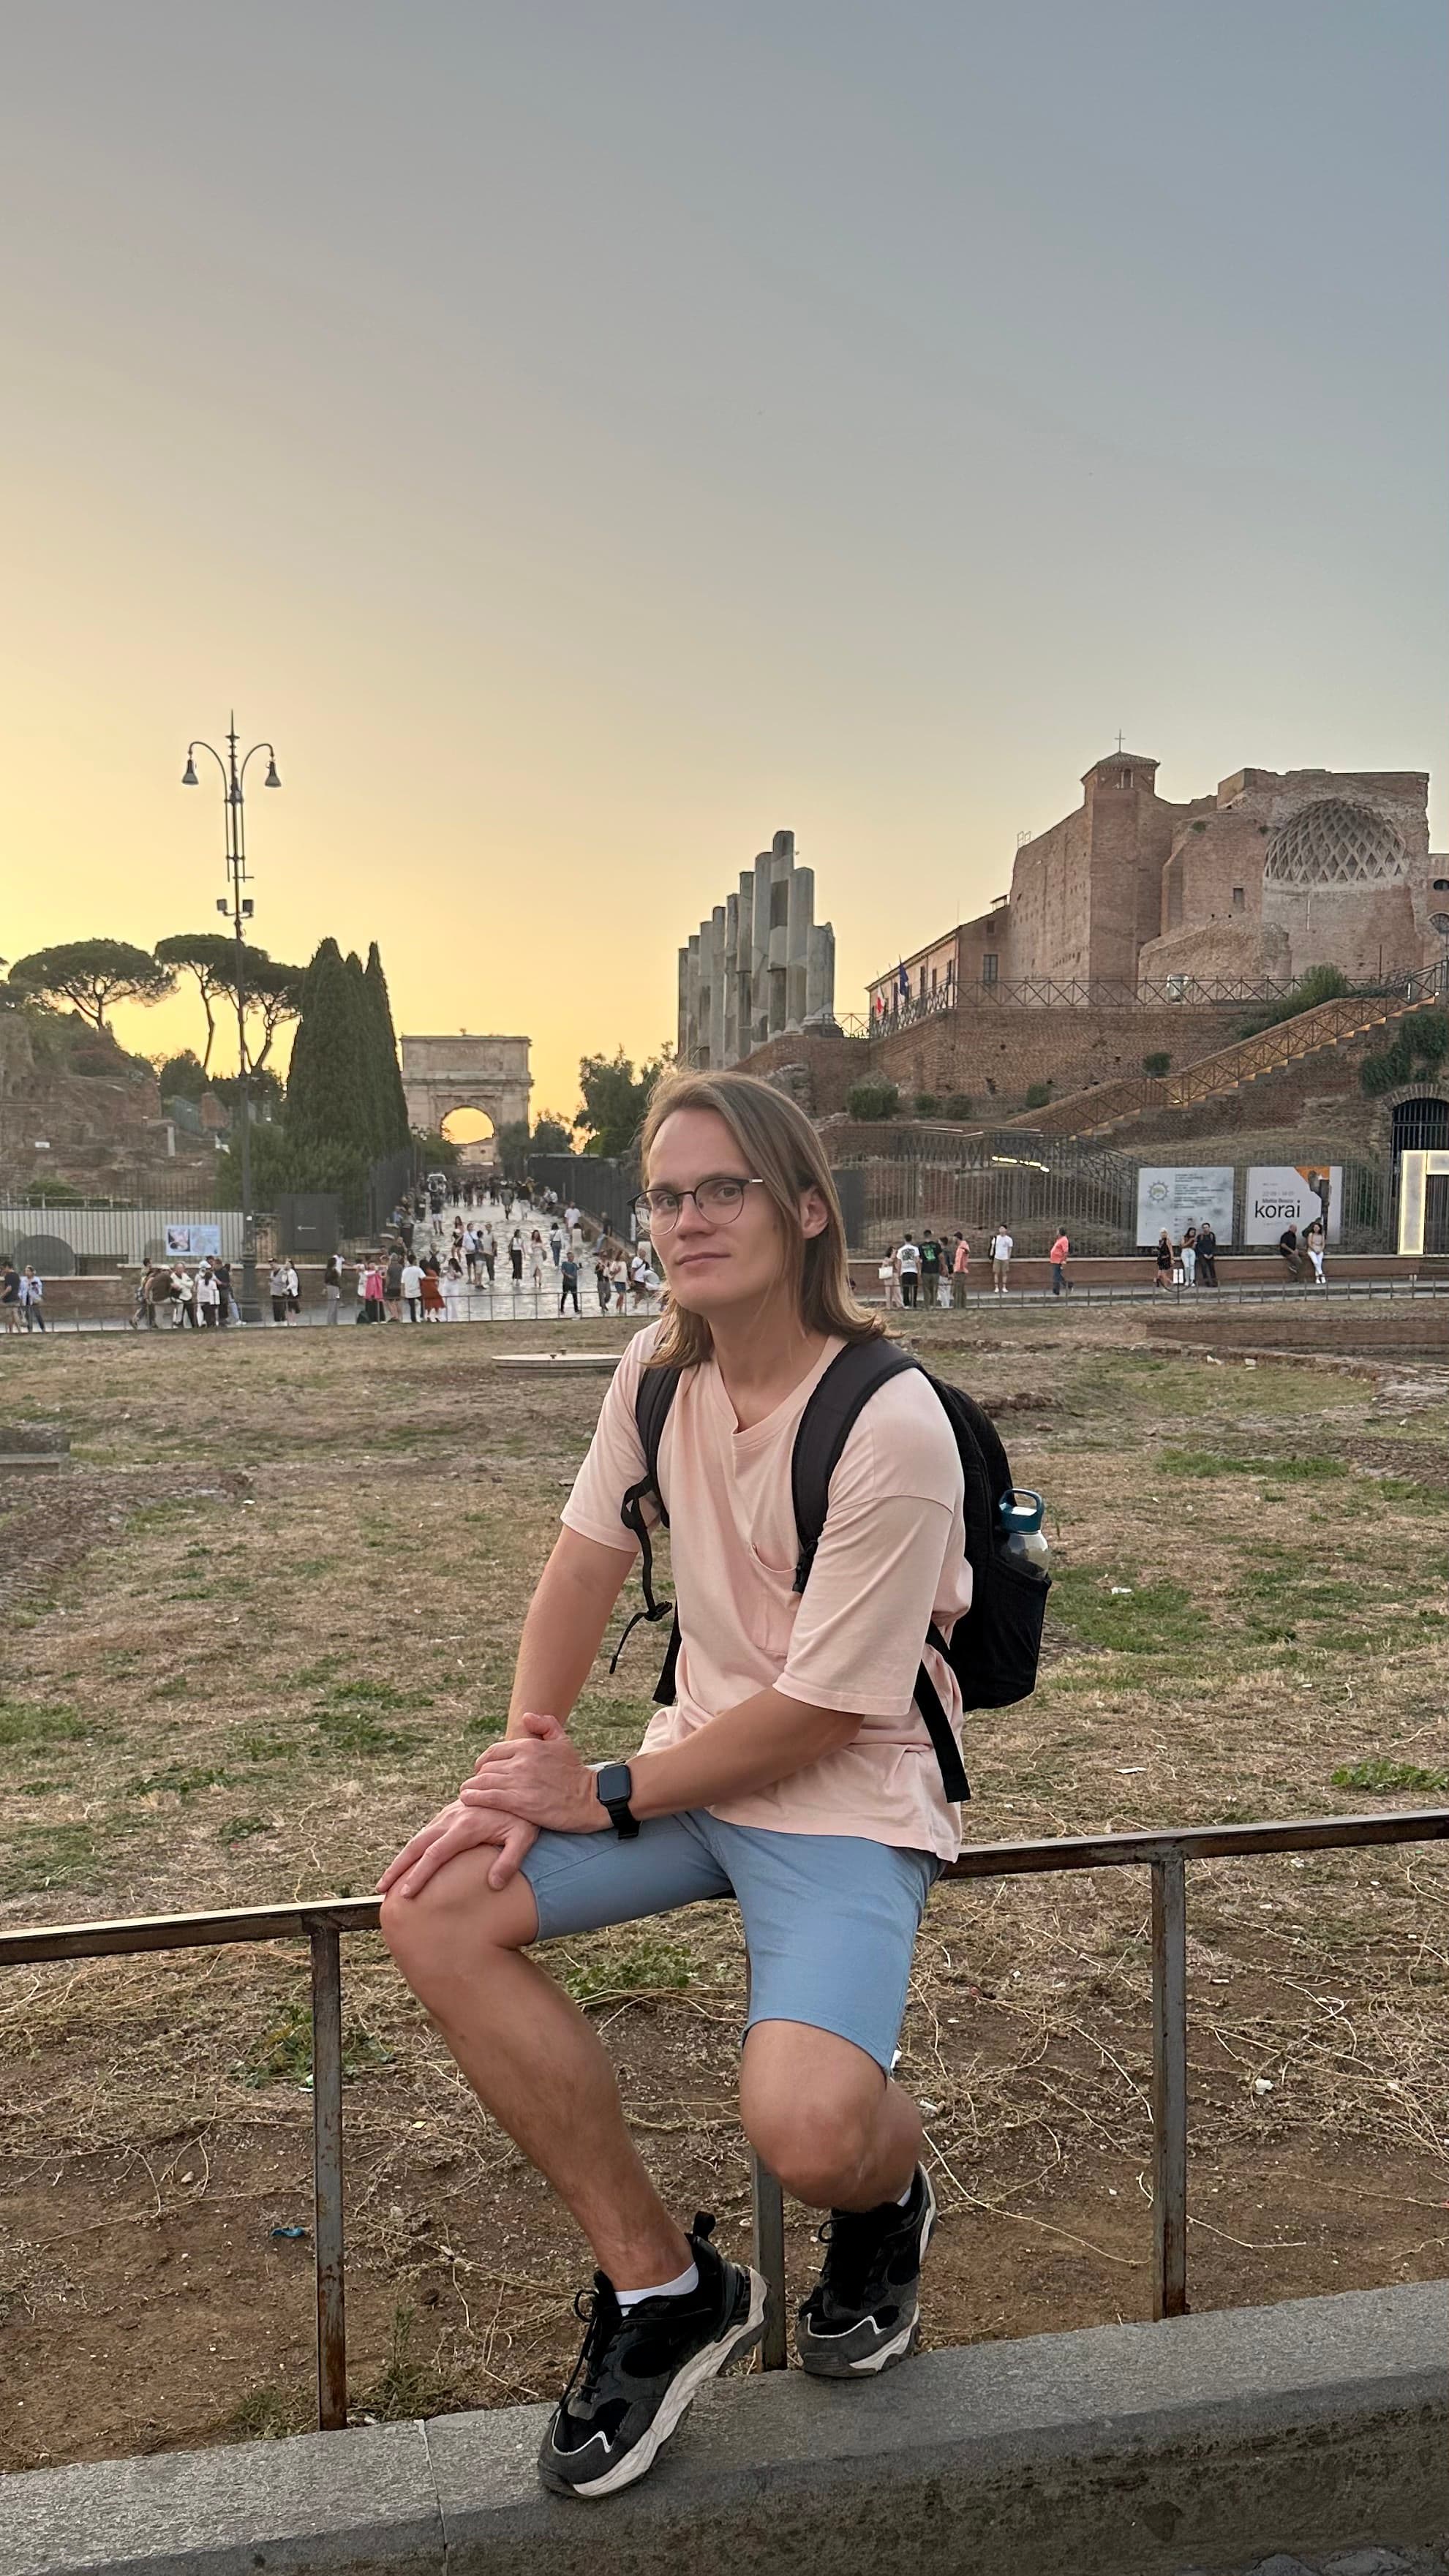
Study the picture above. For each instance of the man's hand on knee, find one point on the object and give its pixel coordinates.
(454, 1829)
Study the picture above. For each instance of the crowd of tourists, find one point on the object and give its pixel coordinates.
(937, 1270)
(495, 1241)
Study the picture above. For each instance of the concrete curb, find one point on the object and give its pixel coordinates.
(1210, 2441)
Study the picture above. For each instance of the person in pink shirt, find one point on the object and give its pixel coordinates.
(791, 1769)
(1059, 1256)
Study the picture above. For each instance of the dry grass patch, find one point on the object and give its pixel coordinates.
(265, 1625)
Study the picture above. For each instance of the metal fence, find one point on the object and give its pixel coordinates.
(1045, 993)
(1166, 1855)
(1033, 1185)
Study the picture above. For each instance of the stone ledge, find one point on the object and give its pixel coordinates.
(1213, 2441)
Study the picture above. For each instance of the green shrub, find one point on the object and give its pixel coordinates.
(1158, 1063)
(1038, 1095)
(1318, 984)
(958, 1105)
(927, 1105)
(869, 1100)
(1419, 1048)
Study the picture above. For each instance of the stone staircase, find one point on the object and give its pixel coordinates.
(1109, 1106)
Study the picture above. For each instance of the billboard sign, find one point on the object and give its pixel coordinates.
(1284, 1194)
(193, 1242)
(1179, 1194)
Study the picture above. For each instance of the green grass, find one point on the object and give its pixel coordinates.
(33, 1722)
(42, 1857)
(648, 1964)
(182, 1780)
(1141, 1619)
(265, 2415)
(283, 2053)
(1378, 1774)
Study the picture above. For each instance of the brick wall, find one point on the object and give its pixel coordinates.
(994, 1051)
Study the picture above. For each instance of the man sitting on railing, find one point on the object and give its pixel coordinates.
(789, 1768)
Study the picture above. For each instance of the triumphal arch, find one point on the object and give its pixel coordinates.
(446, 1073)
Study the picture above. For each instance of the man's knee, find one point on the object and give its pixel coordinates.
(816, 2150)
(456, 1919)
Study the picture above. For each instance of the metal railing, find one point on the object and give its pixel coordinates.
(1044, 992)
(1166, 1855)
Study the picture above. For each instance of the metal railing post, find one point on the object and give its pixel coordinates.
(1169, 2086)
(327, 2179)
(767, 2203)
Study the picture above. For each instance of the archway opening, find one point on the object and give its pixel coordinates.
(472, 1130)
(1421, 1125)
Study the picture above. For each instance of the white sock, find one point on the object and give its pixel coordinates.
(905, 2195)
(678, 2288)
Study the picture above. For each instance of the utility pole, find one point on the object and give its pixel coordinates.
(240, 906)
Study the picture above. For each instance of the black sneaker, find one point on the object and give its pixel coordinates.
(864, 2313)
(640, 2370)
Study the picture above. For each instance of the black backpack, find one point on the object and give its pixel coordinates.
(994, 1648)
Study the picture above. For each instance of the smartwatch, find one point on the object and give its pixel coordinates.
(614, 1783)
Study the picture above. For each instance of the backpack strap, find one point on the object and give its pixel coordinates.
(653, 1397)
(853, 1377)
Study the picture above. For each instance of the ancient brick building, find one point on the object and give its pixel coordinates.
(1136, 895)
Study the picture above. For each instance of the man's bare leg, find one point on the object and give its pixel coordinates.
(533, 2060)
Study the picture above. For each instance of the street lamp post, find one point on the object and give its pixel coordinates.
(240, 907)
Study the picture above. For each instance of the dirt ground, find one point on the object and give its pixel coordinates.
(266, 1622)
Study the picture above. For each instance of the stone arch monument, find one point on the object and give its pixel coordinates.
(446, 1073)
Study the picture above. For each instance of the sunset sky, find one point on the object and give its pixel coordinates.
(587, 438)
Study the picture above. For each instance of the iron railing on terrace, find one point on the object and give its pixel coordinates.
(1043, 992)
(1003, 1176)
(1165, 1854)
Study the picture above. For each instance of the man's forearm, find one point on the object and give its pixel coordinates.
(564, 1627)
(765, 1739)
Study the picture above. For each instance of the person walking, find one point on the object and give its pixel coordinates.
(908, 1265)
(960, 1269)
(555, 1242)
(332, 1289)
(294, 1294)
(412, 1290)
(537, 1260)
(208, 1296)
(1166, 1261)
(1206, 1265)
(32, 1299)
(434, 1302)
(889, 1276)
(10, 1294)
(515, 1258)
(392, 1287)
(142, 1307)
(1002, 1248)
(791, 1770)
(1059, 1256)
(568, 1279)
(277, 1291)
(1189, 1255)
(488, 1249)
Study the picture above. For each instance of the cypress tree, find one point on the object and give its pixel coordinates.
(329, 1095)
(392, 1100)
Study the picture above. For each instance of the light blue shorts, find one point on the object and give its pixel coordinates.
(830, 1920)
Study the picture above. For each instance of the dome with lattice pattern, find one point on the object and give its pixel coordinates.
(1332, 843)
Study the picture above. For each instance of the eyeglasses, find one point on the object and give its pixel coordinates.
(719, 1201)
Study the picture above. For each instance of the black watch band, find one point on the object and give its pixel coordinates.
(615, 1783)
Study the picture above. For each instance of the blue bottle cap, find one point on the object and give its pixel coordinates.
(1021, 1509)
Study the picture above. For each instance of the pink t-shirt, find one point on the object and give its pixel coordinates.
(890, 1560)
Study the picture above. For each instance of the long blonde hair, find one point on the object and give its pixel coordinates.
(783, 1150)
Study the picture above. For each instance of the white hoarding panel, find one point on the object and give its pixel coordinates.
(1283, 1194)
(1179, 1194)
